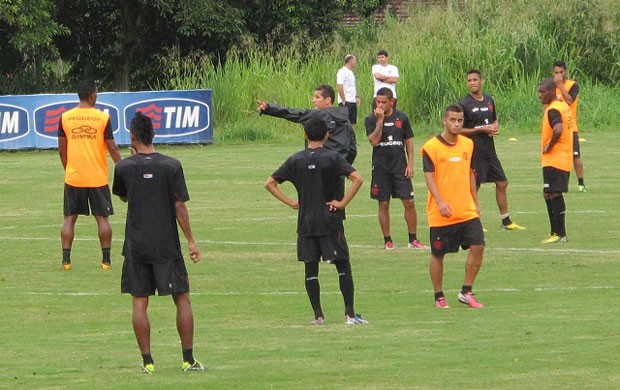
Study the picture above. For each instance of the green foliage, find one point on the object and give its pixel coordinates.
(434, 48)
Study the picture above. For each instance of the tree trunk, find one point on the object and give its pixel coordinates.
(132, 12)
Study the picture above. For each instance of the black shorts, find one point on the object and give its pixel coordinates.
(78, 199)
(447, 239)
(352, 112)
(384, 186)
(555, 180)
(488, 170)
(142, 279)
(576, 149)
(330, 248)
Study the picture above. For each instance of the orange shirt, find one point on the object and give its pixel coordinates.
(86, 130)
(452, 175)
(568, 84)
(561, 155)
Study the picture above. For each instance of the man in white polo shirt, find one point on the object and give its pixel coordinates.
(384, 75)
(347, 90)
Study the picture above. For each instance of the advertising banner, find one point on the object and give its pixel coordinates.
(31, 121)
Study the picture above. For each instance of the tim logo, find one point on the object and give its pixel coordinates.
(172, 117)
(46, 118)
(13, 122)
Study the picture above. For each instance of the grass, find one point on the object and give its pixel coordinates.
(549, 321)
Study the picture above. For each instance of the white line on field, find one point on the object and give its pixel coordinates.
(294, 217)
(283, 293)
(357, 246)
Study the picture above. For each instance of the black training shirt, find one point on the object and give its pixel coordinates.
(152, 184)
(316, 174)
(389, 155)
(480, 114)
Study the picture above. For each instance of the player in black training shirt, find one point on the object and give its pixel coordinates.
(390, 134)
(315, 172)
(481, 126)
(154, 187)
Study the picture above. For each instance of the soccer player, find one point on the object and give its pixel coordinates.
(480, 124)
(315, 172)
(452, 206)
(384, 75)
(154, 187)
(341, 134)
(557, 155)
(390, 134)
(347, 89)
(568, 91)
(84, 137)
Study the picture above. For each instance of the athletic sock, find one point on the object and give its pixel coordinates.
(387, 239)
(465, 289)
(580, 180)
(439, 295)
(66, 255)
(188, 355)
(506, 220)
(559, 213)
(147, 359)
(106, 255)
(345, 277)
(413, 237)
(313, 288)
(551, 218)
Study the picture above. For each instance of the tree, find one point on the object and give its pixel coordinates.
(28, 53)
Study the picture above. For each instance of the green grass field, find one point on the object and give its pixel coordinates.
(550, 320)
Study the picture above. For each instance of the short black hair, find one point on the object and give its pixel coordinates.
(452, 108)
(86, 88)
(315, 128)
(142, 128)
(385, 91)
(326, 91)
(560, 64)
(382, 53)
(475, 71)
(548, 83)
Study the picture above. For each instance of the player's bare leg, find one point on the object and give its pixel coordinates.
(185, 319)
(141, 324)
(435, 268)
(67, 233)
(384, 217)
(501, 196)
(472, 264)
(411, 216)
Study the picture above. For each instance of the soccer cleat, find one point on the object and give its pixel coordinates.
(196, 366)
(555, 238)
(415, 244)
(106, 266)
(469, 300)
(318, 321)
(513, 226)
(551, 239)
(581, 188)
(441, 303)
(389, 246)
(148, 369)
(354, 320)
(66, 266)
